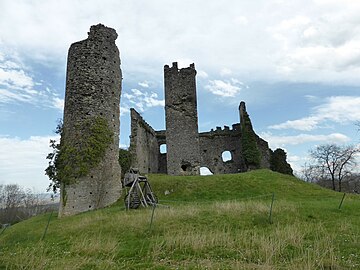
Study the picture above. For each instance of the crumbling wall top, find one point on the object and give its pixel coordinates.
(101, 32)
(136, 116)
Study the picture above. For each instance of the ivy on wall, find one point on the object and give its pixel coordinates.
(73, 158)
(250, 149)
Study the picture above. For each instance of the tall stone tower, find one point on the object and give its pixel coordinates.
(91, 123)
(182, 137)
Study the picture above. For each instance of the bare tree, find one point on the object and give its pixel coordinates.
(335, 161)
(312, 173)
(12, 197)
(17, 203)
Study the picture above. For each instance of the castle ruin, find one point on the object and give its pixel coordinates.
(187, 150)
(91, 123)
(89, 172)
(181, 121)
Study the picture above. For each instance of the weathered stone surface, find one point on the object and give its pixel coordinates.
(93, 88)
(214, 143)
(262, 145)
(187, 147)
(161, 138)
(144, 146)
(182, 138)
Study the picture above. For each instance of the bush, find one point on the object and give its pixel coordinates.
(278, 162)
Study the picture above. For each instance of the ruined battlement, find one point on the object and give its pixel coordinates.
(222, 131)
(183, 71)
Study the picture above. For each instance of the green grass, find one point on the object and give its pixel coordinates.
(212, 222)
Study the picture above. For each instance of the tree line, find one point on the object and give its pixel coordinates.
(17, 204)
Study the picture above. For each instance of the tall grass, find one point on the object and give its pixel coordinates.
(222, 228)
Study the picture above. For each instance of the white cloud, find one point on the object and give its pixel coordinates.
(124, 110)
(17, 84)
(322, 45)
(339, 109)
(7, 96)
(304, 124)
(137, 92)
(281, 141)
(224, 88)
(15, 78)
(58, 103)
(202, 74)
(225, 72)
(280, 38)
(241, 20)
(153, 101)
(23, 161)
(144, 84)
(140, 100)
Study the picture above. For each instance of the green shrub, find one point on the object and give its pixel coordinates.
(125, 159)
(249, 146)
(278, 162)
(73, 158)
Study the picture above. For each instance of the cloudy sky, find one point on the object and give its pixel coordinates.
(296, 64)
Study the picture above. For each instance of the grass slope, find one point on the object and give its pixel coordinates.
(213, 222)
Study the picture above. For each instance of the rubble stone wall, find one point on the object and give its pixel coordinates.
(182, 138)
(93, 89)
(144, 146)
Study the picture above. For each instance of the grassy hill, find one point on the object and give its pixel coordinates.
(204, 222)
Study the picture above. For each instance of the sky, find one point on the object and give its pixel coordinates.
(295, 63)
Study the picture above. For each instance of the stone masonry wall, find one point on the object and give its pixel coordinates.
(214, 143)
(182, 138)
(161, 138)
(93, 88)
(144, 146)
(262, 145)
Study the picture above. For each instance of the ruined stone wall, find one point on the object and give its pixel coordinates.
(144, 146)
(265, 152)
(162, 163)
(93, 88)
(182, 138)
(257, 144)
(214, 143)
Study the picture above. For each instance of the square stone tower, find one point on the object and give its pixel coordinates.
(182, 136)
(89, 147)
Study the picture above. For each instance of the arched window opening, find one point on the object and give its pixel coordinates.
(226, 156)
(163, 149)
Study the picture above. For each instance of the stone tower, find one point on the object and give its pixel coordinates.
(93, 88)
(182, 137)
